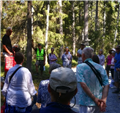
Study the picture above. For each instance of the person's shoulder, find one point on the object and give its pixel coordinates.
(5, 36)
(103, 55)
(24, 69)
(44, 82)
(49, 54)
(44, 110)
(79, 50)
(82, 65)
(119, 55)
(95, 64)
(47, 109)
(98, 66)
(63, 54)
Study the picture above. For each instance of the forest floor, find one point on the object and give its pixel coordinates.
(113, 100)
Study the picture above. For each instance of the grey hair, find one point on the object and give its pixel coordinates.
(88, 52)
(8, 28)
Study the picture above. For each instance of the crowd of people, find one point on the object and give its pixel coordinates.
(55, 94)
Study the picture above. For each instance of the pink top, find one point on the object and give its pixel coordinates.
(109, 59)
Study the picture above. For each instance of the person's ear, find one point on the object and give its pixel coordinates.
(49, 88)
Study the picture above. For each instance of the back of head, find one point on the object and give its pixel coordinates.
(8, 29)
(39, 44)
(19, 57)
(82, 45)
(16, 47)
(117, 48)
(54, 66)
(88, 52)
(110, 51)
(63, 84)
(95, 59)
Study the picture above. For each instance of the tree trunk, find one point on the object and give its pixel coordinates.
(117, 24)
(47, 27)
(104, 23)
(73, 28)
(29, 36)
(96, 17)
(61, 27)
(85, 20)
(61, 24)
(0, 14)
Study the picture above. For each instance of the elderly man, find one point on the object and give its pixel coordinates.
(62, 88)
(94, 92)
(7, 46)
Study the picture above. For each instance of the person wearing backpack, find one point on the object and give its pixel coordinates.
(52, 57)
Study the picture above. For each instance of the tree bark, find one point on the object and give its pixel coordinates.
(47, 27)
(96, 17)
(61, 24)
(104, 23)
(86, 20)
(73, 29)
(29, 36)
(61, 27)
(117, 24)
(0, 14)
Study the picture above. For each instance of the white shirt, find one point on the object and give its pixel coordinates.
(101, 59)
(112, 62)
(21, 87)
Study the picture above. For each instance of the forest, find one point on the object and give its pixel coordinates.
(61, 23)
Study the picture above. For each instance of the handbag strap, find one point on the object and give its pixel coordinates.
(97, 73)
(14, 73)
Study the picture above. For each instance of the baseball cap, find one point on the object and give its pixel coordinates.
(63, 80)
